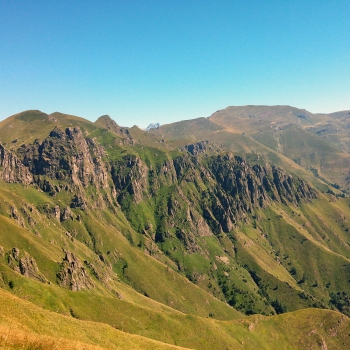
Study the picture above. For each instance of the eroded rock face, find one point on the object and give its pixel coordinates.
(67, 156)
(194, 194)
(12, 259)
(78, 202)
(197, 148)
(24, 264)
(132, 176)
(28, 267)
(12, 169)
(14, 214)
(73, 275)
(66, 214)
(224, 190)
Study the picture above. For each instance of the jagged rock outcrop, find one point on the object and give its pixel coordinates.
(153, 126)
(16, 216)
(27, 211)
(12, 169)
(66, 214)
(78, 202)
(204, 194)
(130, 176)
(240, 188)
(28, 267)
(201, 147)
(73, 275)
(225, 189)
(25, 264)
(66, 156)
(56, 212)
(197, 148)
(13, 259)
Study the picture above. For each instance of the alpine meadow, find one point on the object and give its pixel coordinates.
(226, 232)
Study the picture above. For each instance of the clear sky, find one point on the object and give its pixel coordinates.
(164, 61)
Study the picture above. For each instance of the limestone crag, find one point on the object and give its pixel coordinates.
(224, 190)
(66, 156)
(194, 194)
(28, 267)
(131, 176)
(12, 169)
(197, 148)
(14, 214)
(66, 214)
(73, 275)
(24, 264)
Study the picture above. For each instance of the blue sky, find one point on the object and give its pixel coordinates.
(164, 61)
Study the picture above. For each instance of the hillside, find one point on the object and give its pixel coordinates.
(298, 330)
(292, 138)
(176, 235)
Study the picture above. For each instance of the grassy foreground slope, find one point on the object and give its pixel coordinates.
(22, 322)
(305, 329)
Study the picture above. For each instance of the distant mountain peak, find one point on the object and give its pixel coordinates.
(152, 126)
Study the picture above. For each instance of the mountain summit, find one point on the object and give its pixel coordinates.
(152, 126)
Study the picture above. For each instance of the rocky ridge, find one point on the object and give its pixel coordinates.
(193, 195)
(226, 187)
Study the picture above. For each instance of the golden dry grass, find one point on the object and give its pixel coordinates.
(26, 326)
(11, 338)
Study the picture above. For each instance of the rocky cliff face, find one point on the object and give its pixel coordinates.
(224, 189)
(24, 264)
(130, 176)
(12, 169)
(192, 199)
(200, 147)
(173, 203)
(73, 275)
(201, 194)
(64, 161)
(67, 156)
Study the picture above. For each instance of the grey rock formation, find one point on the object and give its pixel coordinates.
(73, 275)
(67, 156)
(24, 264)
(153, 126)
(12, 169)
(28, 267)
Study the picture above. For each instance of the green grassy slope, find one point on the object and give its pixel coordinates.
(296, 134)
(151, 259)
(146, 274)
(299, 330)
(299, 256)
(25, 127)
(295, 139)
(334, 128)
(33, 322)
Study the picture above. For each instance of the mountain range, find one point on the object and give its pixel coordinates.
(227, 232)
